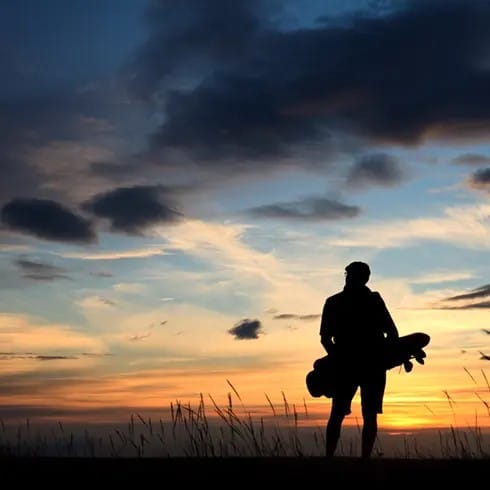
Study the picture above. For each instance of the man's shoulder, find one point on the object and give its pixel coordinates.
(335, 298)
(376, 296)
(341, 295)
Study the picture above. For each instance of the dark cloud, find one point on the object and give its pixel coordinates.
(311, 316)
(466, 298)
(17, 175)
(96, 354)
(471, 159)
(310, 208)
(32, 121)
(55, 413)
(137, 338)
(54, 358)
(293, 316)
(229, 90)
(39, 271)
(246, 329)
(29, 355)
(480, 179)
(5, 356)
(257, 91)
(106, 301)
(379, 169)
(101, 274)
(133, 209)
(470, 306)
(46, 219)
(480, 292)
(199, 33)
(50, 114)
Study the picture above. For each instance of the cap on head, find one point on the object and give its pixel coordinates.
(357, 273)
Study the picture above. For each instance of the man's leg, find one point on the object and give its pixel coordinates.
(369, 432)
(334, 426)
(372, 393)
(341, 406)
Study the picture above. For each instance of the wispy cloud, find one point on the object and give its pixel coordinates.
(101, 274)
(480, 292)
(464, 301)
(462, 226)
(227, 251)
(96, 302)
(40, 271)
(220, 244)
(12, 247)
(293, 316)
(309, 208)
(475, 159)
(23, 334)
(469, 306)
(138, 337)
(441, 277)
(63, 161)
(38, 357)
(130, 287)
(138, 253)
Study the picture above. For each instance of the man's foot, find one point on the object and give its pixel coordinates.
(408, 366)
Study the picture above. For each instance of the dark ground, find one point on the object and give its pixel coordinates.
(228, 472)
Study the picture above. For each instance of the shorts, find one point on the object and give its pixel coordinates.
(372, 386)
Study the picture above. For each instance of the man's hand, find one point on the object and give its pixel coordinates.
(328, 345)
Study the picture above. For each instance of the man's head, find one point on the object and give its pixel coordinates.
(357, 274)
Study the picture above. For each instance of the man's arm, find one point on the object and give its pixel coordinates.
(389, 327)
(326, 335)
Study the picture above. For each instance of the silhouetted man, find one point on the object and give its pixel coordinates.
(355, 326)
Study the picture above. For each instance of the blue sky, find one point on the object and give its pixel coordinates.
(173, 170)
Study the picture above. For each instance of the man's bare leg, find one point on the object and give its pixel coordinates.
(369, 432)
(334, 426)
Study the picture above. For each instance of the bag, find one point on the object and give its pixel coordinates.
(320, 381)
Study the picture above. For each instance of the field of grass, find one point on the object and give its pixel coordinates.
(231, 431)
(209, 444)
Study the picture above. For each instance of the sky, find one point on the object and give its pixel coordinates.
(184, 182)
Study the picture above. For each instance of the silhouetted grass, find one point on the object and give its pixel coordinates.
(208, 430)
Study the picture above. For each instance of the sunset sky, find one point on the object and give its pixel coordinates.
(183, 183)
